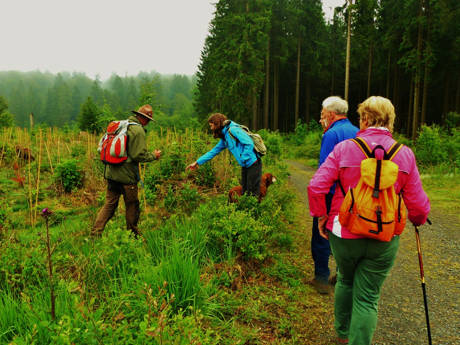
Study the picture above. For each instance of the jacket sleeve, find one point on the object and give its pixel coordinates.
(415, 198)
(326, 175)
(247, 145)
(328, 143)
(137, 146)
(211, 154)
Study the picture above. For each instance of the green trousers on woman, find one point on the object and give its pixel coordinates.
(363, 265)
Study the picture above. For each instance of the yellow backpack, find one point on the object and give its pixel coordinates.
(372, 209)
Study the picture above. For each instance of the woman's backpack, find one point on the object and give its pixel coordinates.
(259, 145)
(373, 209)
(113, 145)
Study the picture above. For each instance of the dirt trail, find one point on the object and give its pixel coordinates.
(401, 311)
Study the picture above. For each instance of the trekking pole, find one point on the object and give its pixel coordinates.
(422, 277)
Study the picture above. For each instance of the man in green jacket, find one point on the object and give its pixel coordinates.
(122, 179)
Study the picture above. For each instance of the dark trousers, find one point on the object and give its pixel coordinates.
(114, 191)
(251, 177)
(320, 249)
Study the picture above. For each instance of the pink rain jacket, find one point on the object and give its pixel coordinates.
(344, 163)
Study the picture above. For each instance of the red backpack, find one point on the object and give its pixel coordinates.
(113, 145)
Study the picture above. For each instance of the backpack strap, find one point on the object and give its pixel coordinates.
(394, 149)
(363, 146)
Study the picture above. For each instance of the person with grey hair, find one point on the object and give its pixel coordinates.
(336, 128)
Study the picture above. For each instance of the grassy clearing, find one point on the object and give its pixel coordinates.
(203, 273)
(184, 282)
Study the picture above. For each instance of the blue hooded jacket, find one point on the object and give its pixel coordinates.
(242, 148)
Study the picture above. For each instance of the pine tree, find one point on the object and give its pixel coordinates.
(88, 119)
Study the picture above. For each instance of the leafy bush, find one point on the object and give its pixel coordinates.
(429, 148)
(273, 142)
(151, 182)
(78, 151)
(452, 121)
(69, 175)
(206, 175)
(452, 147)
(173, 162)
(231, 231)
(6, 119)
(300, 133)
(310, 147)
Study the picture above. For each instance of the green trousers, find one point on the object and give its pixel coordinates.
(363, 265)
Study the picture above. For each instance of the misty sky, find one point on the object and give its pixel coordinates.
(101, 37)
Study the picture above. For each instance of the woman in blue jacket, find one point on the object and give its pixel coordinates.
(240, 144)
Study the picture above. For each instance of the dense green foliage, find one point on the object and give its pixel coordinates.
(204, 270)
(116, 289)
(58, 100)
(284, 59)
(69, 175)
(6, 118)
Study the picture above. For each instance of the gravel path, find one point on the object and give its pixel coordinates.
(401, 311)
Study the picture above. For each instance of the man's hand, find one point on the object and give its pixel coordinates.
(192, 166)
(157, 154)
(322, 227)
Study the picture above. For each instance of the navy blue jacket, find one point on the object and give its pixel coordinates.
(242, 149)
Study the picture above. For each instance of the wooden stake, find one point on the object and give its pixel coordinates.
(30, 187)
(38, 177)
(49, 158)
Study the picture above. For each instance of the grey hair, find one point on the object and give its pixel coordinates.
(336, 104)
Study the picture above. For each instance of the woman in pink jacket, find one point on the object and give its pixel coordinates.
(363, 263)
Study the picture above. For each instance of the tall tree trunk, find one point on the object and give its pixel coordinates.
(333, 57)
(369, 69)
(276, 68)
(347, 61)
(267, 86)
(426, 73)
(307, 100)
(411, 103)
(396, 88)
(297, 85)
(425, 94)
(418, 72)
(387, 92)
(446, 95)
(254, 110)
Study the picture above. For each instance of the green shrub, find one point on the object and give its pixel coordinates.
(300, 133)
(6, 119)
(232, 231)
(272, 141)
(310, 147)
(170, 200)
(69, 175)
(400, 138)
(188, 198)
(206, 175)
(429, 148)
(452, 120)
(151, 182)
(173, 161)
(78, 151)
(452, 147)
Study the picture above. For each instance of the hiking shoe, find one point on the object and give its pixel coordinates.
(320, 287)
(342, 341)
(333, 280)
